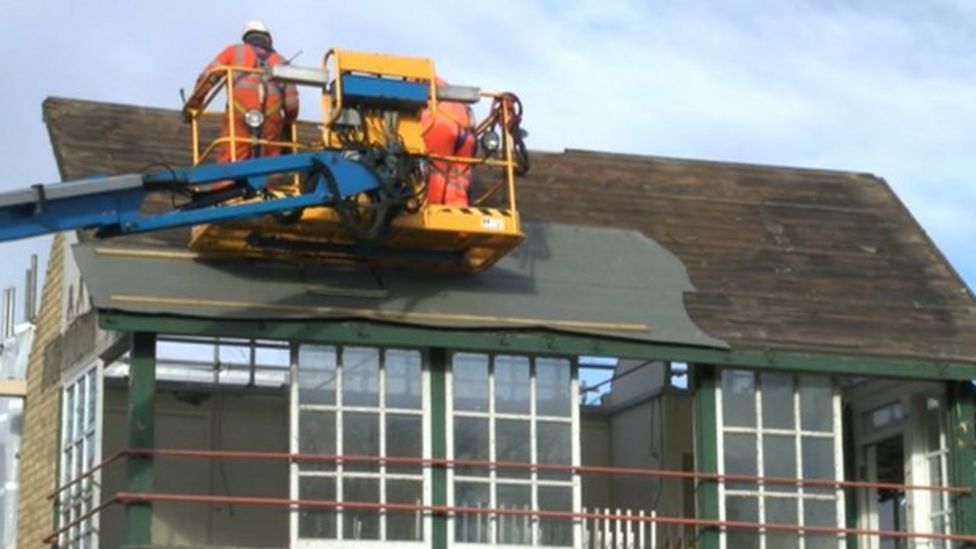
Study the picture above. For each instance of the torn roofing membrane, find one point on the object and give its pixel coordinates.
(583, 280)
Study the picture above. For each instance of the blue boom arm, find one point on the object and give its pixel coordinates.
(111, 205)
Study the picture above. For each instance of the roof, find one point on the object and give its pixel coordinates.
(782, 258)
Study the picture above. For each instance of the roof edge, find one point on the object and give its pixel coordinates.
(539, 341)
(568, 151)
(724, 163)
(928, 239)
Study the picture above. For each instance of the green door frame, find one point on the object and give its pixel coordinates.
(962, 455)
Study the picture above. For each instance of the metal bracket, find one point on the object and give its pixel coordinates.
(306, 76)
(40, 198)
(463, 94)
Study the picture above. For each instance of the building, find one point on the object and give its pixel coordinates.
(14, 352)
(787, 364)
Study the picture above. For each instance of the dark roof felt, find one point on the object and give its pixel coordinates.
(626, 286)
(782, 258)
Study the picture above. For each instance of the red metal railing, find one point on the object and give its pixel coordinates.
(127, 497)
(541, 467)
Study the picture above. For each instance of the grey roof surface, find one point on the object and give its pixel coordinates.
(586, 280)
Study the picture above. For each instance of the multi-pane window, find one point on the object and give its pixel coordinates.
(216, 361)
(777, 424)
(512, 409)
(936, 455)
(359, 401)
(80, 450)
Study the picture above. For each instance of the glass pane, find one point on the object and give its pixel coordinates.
(553, 531)
(738, 398)
(935, 479)
(316, 374)
(403, 379)
(273, 357)
(554, 444)
(316, 435)
(404, 525)
(234, 354)
(818, 459)
(513, 443)
(781, 511)
(185, 350)
(777, 401)
(79, 460)
(68, 465)
(512, 385)
(779, 460)
(742, 509)
(816, 403)
(820, 513)
(360, 524)
(471, 443)
(740, 459)
(404, 438)
(317, 522)
(361, 437)
(68, 421)
(360, 376)
(470, 373)
(514, 529)
(92, 399)
(939, 526)
(553, 387)
(79, 410)
(89, 452)
(471, 527)
(883, 417)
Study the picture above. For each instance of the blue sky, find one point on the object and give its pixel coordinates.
(875, 86)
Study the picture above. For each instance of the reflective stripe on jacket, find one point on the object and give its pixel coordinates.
(250, 89)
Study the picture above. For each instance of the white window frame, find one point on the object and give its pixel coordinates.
(338, 474)
(211, 361)
(912, 397)
(74, 448)
(492, 479)
(921, 513)
(798, 433)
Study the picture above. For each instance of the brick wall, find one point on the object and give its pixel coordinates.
(40, 430)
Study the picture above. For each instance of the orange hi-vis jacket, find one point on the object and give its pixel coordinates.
(278, 102)
(451, 134)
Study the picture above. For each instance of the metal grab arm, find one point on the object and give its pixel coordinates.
(112, 204)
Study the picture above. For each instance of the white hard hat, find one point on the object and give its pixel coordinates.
(255, 25)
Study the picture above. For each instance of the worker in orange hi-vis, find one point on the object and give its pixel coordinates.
(260, 108)
(451, 133)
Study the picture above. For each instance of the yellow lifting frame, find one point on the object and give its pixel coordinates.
(195, 115)
(482, 234)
